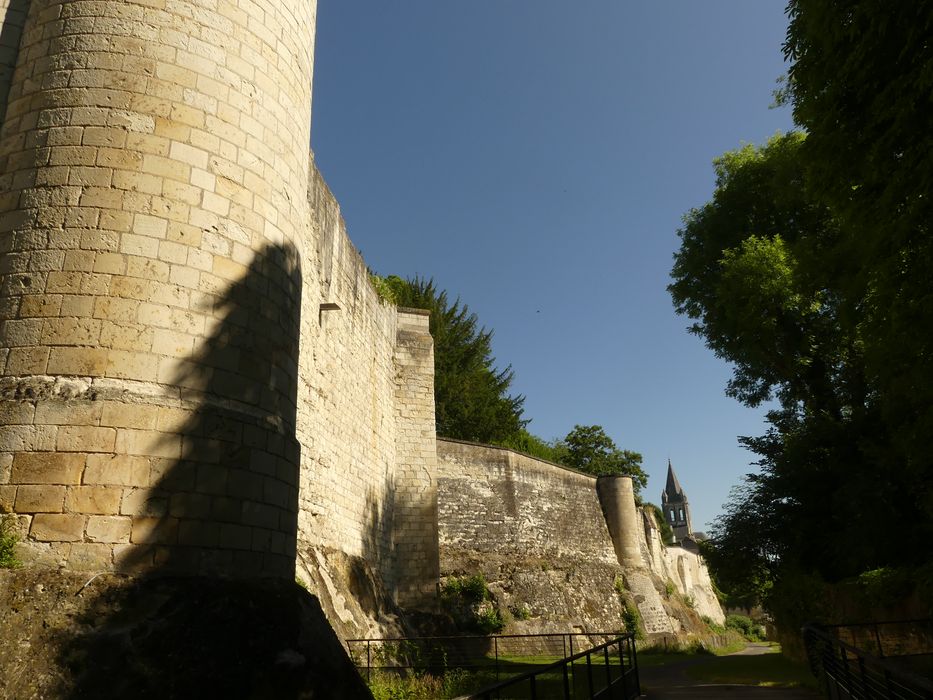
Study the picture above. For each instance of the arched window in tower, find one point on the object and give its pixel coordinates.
(673, 518)
(681, 514)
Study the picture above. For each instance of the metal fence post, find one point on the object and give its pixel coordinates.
(573, 671)
(634, 648)
(608, 670)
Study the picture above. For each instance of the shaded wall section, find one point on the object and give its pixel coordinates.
(12, 19)
(415, 531)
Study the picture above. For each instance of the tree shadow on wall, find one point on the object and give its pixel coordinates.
(387, 539)
(356, 589)
(12, 20)
(372, 575)
(214, 610)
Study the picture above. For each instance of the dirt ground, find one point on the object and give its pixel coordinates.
(67, 635)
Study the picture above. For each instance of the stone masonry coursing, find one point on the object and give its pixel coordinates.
(154, 225)
(196, 374)
(539, 535)
(366, 426)
(534, 530)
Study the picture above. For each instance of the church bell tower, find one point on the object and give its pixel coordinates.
(675, 506)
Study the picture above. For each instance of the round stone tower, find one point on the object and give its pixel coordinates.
(154, 160)
(617, 498)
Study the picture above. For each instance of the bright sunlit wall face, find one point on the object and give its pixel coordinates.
(152, 213)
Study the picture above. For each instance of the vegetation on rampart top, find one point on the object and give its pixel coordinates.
(529, 444)
(587, 448)
(808, 270)
(472, 399)
(667, 532)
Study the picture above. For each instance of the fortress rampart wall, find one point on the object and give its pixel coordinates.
(366, 422)
(12, 19)
(534, 530)
(561, 543)
(685, 569)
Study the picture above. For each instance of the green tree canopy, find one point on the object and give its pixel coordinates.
(749, 271)
(761, 272)
(589, 449)
(471, 396)
(861, 84)
(667, 532)
(530, 444)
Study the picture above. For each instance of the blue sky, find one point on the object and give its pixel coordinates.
(535, 158)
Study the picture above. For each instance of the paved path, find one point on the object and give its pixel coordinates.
(670, 682)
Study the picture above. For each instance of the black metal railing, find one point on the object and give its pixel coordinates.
(607, 671)
(501, 656)
(887, 638)
(850, 673)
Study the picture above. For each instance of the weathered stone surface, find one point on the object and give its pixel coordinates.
(154, 174)
(47, 527)
(122, 470)
(154, 530)
(534, 530)
(40, 499)
(90, 557)
(108, 528)
(685, 569)
(539, 535)
(101, 500)
(7, 498)
(47, 468)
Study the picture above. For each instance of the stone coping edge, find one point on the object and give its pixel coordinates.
(520, 453)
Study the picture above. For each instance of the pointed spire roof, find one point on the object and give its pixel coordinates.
(672, 488)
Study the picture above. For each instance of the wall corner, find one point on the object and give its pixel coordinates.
(415, 526)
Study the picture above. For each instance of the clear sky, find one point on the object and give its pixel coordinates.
(535, 158)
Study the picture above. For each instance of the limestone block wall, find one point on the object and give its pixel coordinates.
(560, 542)
(685, 569)
(195, 371)
(617, 497)
(347, 421)
(154, 219)
(415, 527)
(536, 532)
(367, 501)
